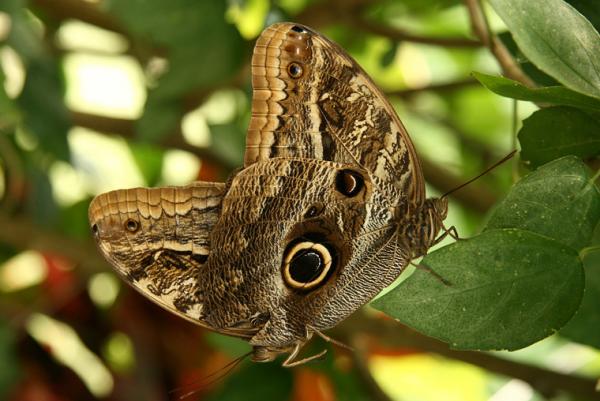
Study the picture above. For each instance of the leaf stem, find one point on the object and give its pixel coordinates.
(587, 250)
(481, 29)
(515, 124)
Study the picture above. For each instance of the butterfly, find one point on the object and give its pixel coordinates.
(328, 209)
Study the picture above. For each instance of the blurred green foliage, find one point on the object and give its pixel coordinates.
(194, 59)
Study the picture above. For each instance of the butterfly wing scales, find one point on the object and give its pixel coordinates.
(333, 111)
(157, 239)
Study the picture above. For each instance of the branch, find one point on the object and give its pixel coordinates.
(439, 87)
(21, 233)
(481, 29)
(351, 11)
(399, 35)
(391, 333)
(81, 10)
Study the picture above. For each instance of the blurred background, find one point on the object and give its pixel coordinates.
(104, 94)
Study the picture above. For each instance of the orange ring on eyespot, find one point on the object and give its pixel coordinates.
(295, 70)
(294, 261)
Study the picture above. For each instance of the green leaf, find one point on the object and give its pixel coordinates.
(526, 65)
(557, 201)
(73, 220)
(149, 160)
(204, 50)
(42, 99)
(9, 115)
(590, 9)
(551, 94)
(508, 289)
(160, 118)
(554, 132)
(256, 382)
(45, 114)
(9, 365)
(228, 142)
(583, 328)
(557, 39)
(232, 346)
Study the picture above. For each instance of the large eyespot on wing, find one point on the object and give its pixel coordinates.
(307, 265)
(158, 240)
(311, 100)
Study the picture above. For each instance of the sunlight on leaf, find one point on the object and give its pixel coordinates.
(106, 161)
(21, 271)
(412, 377)
(179, 167)
(14, 71)
(66, 346)
(77, 35)
(103, 289)
(106, 85)
(119, 352)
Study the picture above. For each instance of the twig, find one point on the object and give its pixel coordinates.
(439, 87)
(481, 29)
(399, 35)
(81, 10)
(21, 233)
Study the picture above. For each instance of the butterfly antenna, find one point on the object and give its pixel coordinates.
(211, 378)
(487, 170)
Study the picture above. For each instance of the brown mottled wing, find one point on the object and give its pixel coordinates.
(158, 240)
(311, 100)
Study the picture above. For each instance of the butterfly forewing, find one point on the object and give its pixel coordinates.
(311, 100)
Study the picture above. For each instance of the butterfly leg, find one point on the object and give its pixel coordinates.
(330, 340)
(447, 231)
(288, 362)
(429, 270)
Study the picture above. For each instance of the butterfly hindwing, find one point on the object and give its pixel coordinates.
(157, 239)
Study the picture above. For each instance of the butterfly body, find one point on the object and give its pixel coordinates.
(327, 211)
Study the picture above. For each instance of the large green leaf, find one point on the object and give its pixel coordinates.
(551, 94)
(554, 132)
(507, 289)
(557, 39)
(557, 200)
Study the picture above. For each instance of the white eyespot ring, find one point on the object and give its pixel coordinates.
(306, 265)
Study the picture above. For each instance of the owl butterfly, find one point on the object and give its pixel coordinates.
(327, 211)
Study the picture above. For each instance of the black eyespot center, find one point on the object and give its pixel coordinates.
(95, 229)
(132, 225)
(298, 29)
(295, 70)
(313, 211)
(349, 182)
(306, 265)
